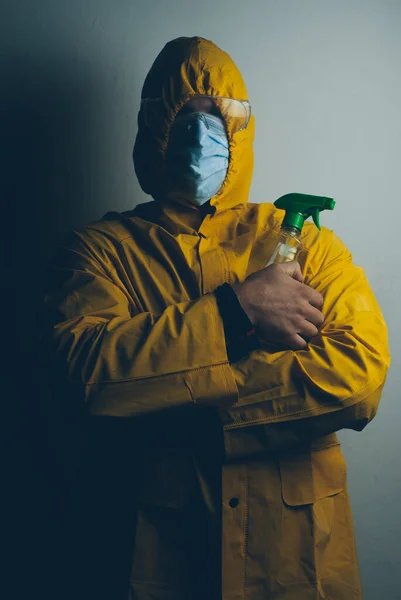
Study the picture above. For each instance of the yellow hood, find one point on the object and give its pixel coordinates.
(187, 67)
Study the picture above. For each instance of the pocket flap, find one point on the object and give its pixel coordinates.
(310, 476)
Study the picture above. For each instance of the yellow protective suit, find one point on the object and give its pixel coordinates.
(234, 463)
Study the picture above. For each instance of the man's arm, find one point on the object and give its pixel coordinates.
(336, 380)
(129, 362)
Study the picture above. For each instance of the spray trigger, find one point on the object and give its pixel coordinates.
(315, 213)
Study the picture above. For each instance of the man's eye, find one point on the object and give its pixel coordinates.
(215, 111)
(185, 110)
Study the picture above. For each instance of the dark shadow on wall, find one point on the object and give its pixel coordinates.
(47, 162)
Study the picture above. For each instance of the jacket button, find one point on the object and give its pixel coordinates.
(233, 502)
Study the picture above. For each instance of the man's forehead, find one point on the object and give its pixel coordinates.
(200, 104)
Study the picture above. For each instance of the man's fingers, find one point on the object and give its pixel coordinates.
(296, 342)
(309, 330)
(313, 315)
(315, 299)
(292, 269)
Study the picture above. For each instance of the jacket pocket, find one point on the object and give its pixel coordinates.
(310, 476)
(316, 531)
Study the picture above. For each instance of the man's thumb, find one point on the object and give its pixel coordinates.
(292, 269)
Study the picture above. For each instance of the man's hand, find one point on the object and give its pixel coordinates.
(281, 307)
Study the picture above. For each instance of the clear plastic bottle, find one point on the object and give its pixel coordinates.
(297, 207)
(287, 247)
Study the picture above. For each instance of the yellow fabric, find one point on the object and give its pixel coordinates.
(136, 325)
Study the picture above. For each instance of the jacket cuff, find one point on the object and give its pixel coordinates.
(238, 329)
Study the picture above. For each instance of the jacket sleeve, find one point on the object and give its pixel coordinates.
(128, 362)
(335, 382)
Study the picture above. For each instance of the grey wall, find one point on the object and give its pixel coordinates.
(324, 79)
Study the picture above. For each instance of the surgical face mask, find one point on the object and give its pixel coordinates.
(197, 156)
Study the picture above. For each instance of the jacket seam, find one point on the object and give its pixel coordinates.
(226, 266)
(153, 377)
(237, 425)
(381, 368)
(214, 330)
(246, 531)
(227, 386)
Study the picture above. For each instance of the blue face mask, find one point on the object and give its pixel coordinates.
(197, 156)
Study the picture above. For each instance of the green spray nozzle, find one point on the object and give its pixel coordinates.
(299, 207)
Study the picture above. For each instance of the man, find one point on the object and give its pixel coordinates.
(215, 385)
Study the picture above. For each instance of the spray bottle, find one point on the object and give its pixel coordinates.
(298, 207)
